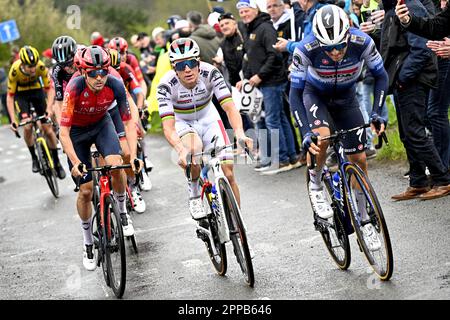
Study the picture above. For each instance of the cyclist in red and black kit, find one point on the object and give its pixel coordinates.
(121, 45)
(85, 121)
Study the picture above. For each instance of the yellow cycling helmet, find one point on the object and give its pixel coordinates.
(115, 58)
(29, 55)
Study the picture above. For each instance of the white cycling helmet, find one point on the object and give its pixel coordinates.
(183, 48)
(330, 25)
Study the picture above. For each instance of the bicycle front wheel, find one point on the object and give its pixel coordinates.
(333, 233)
(218, 260)
(48, 169)
(115, 247)
(238, 234)
(371, 229)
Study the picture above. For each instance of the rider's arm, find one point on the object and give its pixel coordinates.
(12, 88)
(290, 47)
(234, 117)
(120, 95)
(10, 107)
(66, 124)
(300, 65)
(376, 67)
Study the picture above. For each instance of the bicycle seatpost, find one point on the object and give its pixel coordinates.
(312, 164)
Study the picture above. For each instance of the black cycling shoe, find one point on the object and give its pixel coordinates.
(60, 171)
(35, 167)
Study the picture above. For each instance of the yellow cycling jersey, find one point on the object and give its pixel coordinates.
(18, 81)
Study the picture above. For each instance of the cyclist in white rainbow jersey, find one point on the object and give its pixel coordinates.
(189, 118)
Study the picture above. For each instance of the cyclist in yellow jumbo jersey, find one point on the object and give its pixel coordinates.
(28, 82)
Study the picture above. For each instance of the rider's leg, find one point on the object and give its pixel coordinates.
(193, 143)
(316, 173)
(118, 181)
(228, 171)
(360, 160)
(84, 209)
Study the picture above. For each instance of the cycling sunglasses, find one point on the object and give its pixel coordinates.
(338, 46)
(180, 66)
(97, 72)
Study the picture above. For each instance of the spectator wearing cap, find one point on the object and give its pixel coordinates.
(204, 35)
(182, 30)
(263, 67)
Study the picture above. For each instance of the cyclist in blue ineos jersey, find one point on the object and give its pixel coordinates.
(326, 67)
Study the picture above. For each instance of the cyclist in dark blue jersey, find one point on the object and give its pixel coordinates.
(326, 67)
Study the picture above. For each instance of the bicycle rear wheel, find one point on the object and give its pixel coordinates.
(376, 247)
(333, 234)
(238, 234)
(218, 260)
(115, 247)
(48, 170)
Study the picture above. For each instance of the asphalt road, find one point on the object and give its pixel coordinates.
(41, 240)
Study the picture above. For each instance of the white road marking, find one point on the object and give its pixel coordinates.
(27, 252)
(193, 263)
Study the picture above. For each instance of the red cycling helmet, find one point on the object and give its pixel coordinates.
(94, 57)
(119, 44)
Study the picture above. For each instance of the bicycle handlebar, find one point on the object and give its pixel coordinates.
(213, 153)
(32, 120)
(104, 169)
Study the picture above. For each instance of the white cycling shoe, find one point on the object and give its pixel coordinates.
(89, 258)
(127, 225)
(320, 202)
(371, 237)
(145, 183)
(139, 203)
(196, 208)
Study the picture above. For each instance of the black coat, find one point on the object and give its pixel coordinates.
(233, 53)
(260, 56)
(405, 55)
(434, 28)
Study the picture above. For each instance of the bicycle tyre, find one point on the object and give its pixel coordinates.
(115, 244)
(48, 172)
(100, 244)
(238, 234)
(342, 261)
(219, 262)
(386, 268)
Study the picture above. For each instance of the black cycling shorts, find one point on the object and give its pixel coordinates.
(102, 134)
(117, 120)
(25, 100)
(340, 113)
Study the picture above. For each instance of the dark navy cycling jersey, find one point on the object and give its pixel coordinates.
(312, 65)
(60, 80)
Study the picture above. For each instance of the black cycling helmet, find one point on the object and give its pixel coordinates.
(64, 49)
(172, 20)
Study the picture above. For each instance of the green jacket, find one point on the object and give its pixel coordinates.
(207, 40)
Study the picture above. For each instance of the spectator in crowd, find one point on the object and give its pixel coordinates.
(97, 39)
(172, 20)
(439, 100)
(412, 70)
(213, 21)
(148, 55)
(263, 67)
(204, 35)
(287, 4)
(182, 30)
(281, 19)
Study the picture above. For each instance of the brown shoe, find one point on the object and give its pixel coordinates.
(436, 192)
(410, 193)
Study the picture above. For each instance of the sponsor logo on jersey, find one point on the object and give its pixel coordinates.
(297, 60)
(317, 122)
(357, 39)
(163, 90)
(360, 147)
(312, 45)
(325, 62)
(86, 95)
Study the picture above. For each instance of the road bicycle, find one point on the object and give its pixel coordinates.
(96, 158)
(107, 229)
(219, 201)
(145, 183)
(341, 188)
(46, 163)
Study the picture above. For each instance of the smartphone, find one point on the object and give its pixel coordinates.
(402, 1)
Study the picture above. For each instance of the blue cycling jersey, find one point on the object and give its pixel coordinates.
(312, 65)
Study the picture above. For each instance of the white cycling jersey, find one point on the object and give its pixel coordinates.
(193, 109)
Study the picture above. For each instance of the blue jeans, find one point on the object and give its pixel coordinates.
(438, 103)
(366, 108)
(276, 119)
